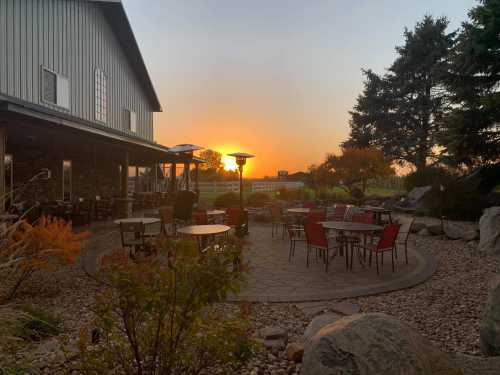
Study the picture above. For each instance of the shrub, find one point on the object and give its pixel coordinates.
(258, 199)
(26, 248)
(157, 317)
(226, 200)
(428, 176)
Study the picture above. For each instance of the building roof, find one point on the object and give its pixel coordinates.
(117, 17)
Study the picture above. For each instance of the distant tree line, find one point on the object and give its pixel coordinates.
(439, 101)
(213, 168)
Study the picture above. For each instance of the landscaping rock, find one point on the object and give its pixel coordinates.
(273, 333)
(373, 344)
(295, 352)
(470, 235)
(345, 308)
(416, 196)
(453, 231)
(318, 323)
(489, 227)
(435, 229)
(490, 325)
(417, 227)
(425, 232)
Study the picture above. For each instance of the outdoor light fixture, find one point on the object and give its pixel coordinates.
(241, 160)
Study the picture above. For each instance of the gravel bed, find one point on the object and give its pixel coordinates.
(446, 309)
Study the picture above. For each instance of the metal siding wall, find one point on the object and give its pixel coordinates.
(71, 37)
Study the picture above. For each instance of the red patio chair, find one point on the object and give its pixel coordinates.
(310, 205)
(387, 242)
(238, 219)
(199, 217)
(339, 212)
(316, 216)
(316, 239)
(279, 221)
(363, 217)
(295, 234)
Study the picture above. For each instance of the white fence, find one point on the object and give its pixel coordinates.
(253, 186)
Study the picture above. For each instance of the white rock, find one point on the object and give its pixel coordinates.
(489, 228)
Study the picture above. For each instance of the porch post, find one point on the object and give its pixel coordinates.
(3, 136)
(124, 176)
(186, 174)
(196, 178)
(173, 178)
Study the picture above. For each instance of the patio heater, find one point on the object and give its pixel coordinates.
(241, 160)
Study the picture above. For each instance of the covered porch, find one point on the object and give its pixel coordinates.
(49, 160)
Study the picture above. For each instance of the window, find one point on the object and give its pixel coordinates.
(101, 102)
(67, 181)
(130, 120)
(55, 88)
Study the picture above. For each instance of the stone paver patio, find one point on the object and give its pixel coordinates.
(273, 279)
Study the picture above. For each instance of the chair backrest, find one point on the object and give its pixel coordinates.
(310, 205)
(132, 227)
(235, 216)
(166, 215)
(363, 217)
(316, 216)
(338, 213)
(405, 229)
(349, 212)
(200, 217)
(315, 235)
(183, 205)
(276, 211)
(389, 235)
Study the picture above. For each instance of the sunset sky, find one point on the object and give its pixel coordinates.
(271, 77)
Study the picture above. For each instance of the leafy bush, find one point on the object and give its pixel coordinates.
(157, 316)
(304, 194)
(258, 199)
(26, 248)
(226, 200)
(429, 176)
(458, 203)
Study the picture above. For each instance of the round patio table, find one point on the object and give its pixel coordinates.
(299, 210)
(144, 220)
(201, 232)
(378, 212)
(348, 226)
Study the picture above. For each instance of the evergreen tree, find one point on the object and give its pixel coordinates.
(470, 133)
(399, 112)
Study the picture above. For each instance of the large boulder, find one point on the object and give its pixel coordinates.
(373, 344)
(317, 323)
(416, 196)
(490, 325)
(489, 228)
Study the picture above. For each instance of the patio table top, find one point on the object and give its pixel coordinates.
(299, 210)
(375, 209)
(144, 220)
(215, 212)
(204, 230)
(349, 226)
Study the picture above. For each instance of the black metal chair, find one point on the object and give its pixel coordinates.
(132, 236)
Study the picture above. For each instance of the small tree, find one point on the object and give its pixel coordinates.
(156, 315)
(356, 166)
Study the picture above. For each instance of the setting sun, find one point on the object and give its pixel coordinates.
(229, 163)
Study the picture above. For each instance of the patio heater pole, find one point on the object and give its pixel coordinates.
(241, 160)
